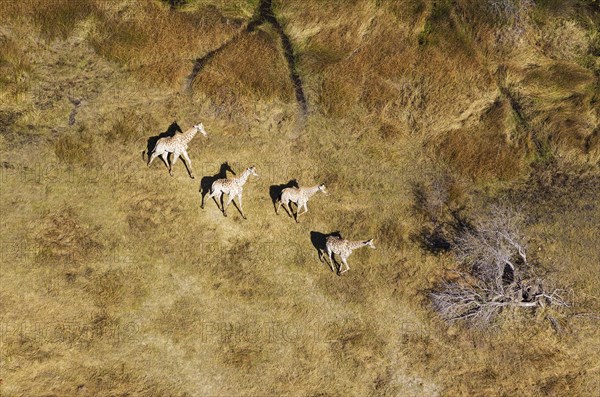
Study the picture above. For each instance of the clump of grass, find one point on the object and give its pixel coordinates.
(15, 67)
(253, 67)
(565, 40)
(115, 287)
(176, 3)
(487, 156)
(129, 126)
(58, 18)
(76, 148)
(116, 40)
(66, 240)
(339, 93)
(490, 153)
(560, 108)
(148, 213)
(424, 34)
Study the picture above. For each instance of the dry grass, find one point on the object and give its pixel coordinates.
(161, 51)
(263, 75)
(115, 282)
(15, 68)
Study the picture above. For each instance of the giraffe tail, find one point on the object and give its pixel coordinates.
(146, 155)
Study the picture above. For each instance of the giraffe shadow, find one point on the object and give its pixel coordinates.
(275, 193)
(319, 241)
(151, 144)
(207, 181)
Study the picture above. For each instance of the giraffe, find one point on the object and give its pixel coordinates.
(343, 248)
(233, 188)
(176, 144)
(207, 181)
(298, 196)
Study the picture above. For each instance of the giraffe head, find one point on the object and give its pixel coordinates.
(200, 128)
(252, 171)
(323, 189)
(370, 244)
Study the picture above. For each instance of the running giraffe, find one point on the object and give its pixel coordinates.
(176, 144)
(298, 196)
(232, 188)
(343, 248)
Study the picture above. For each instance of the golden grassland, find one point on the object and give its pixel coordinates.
(114, 282)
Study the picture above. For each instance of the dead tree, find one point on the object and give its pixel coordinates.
(495, 272)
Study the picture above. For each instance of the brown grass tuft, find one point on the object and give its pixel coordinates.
(15, 67)
(63, 238)
(58, 18)
(76, 148)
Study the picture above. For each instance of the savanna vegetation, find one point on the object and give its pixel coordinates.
(463, 136)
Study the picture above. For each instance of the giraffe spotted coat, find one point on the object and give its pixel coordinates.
(298, 196)
(232, 188)
(176, 144)
(343, 248)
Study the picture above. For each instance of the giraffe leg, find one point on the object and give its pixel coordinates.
(151, 159)
(298, 213)
(216, 195)
(346, 264)
(222, 201)
(277, 207)
(175, 157)
(282, 204)
(330, 262)
(292, 214)
(188, 163)
(240, 203)
(165, 158)
(229, 200)
(219, 201)
(288, 208)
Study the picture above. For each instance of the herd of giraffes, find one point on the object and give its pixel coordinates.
(177, 144)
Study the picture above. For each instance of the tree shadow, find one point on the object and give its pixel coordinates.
(207, 181)
(275, 192)
(319, 241)
(151, 144)
(264, 14)
(442, 225)
(199, 63)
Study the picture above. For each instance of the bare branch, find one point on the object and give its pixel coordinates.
(494, 254)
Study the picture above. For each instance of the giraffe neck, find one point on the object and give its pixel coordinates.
(310, 191)
(356, 244)
(189, 134)
(243, 178)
